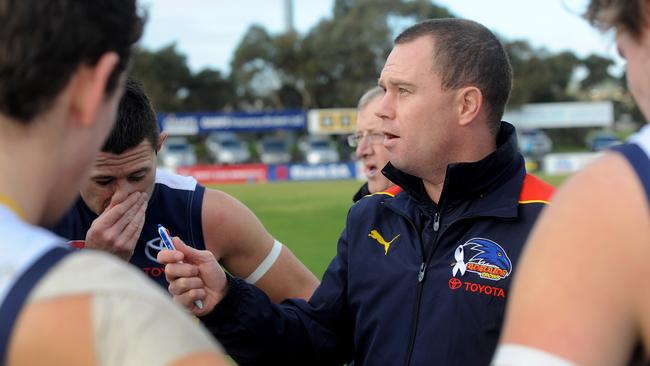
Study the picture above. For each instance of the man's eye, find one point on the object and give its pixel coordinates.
(136, 178)
(103, 182)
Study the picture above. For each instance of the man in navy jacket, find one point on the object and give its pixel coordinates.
(420, 277)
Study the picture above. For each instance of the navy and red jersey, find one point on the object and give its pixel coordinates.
(175, 203)
(413, 282)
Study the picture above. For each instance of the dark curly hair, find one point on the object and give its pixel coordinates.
(42, 43)
(626, 15)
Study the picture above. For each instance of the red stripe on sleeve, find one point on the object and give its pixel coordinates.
(535, 189)
(394, 190)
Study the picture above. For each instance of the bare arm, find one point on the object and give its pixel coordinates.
(238, 238)
(578, 292)
(40, 336)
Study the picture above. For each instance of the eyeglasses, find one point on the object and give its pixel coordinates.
(371, 137)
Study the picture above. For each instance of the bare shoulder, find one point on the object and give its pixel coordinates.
(44, 329)
(578, 279)
(605, 202)
(220, 204)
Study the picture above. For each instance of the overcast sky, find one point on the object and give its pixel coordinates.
(207, 31)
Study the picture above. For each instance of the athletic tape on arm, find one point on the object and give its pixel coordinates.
(266, 263)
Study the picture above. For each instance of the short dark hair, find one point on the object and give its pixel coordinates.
(467, 53)
(136, 121)
(627, 15)
(43, 42)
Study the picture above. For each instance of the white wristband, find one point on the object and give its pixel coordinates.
(515, 355)
(266, 263)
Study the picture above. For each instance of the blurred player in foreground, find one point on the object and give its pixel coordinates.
(581, 296)
(62, 68)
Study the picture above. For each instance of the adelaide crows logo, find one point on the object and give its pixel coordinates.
(490, 261)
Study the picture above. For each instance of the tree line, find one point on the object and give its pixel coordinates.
(340, 57)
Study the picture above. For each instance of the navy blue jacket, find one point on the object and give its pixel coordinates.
(413, 282)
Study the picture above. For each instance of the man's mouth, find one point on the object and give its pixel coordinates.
(388, 135)
(371, 170)
(389, 139)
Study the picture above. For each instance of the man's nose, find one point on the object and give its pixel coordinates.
(122, 191)
(385, 110)
(364, 147)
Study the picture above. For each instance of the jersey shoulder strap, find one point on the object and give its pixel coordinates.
(28, 253)
(637, 153)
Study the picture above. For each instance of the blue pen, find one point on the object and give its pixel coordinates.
(164, 237)
(167, 243)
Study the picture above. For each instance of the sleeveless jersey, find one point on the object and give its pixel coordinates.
(637, 153)
(28, 252)
(175, 203)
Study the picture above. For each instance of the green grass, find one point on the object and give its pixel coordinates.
(307, 216)
(554, 180)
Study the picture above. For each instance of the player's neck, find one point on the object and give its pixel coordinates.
(434, 185)
(471, 149)
(20, 196)
(476, 143)
(12, 205)
(25, 186)
(27, 169)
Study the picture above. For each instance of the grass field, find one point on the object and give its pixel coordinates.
(306, 216)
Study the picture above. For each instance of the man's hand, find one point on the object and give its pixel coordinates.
(118, 228)
(199, 277)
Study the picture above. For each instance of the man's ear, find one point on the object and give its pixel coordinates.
(89, 88)
(470, 101)
(161, 139)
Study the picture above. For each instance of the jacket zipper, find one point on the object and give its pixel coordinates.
(421, 275)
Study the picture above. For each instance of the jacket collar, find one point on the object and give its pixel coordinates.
(490, 177)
